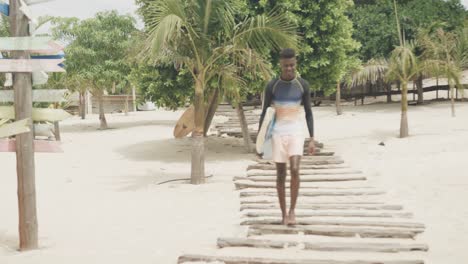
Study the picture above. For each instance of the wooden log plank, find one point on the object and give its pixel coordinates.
(317, 213)
(261, 206)
(307, 178)
(339, 231)
(264, 200)
(314, 193)
(302, 167)
(305, 172)
(252, 260)
(337, 222)
(247, 184)
(322, 246)
(314, 161)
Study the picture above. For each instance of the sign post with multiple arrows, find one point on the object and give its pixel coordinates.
(20, 46)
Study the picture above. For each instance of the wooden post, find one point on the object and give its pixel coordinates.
(57, 131)
(25, 167)
(134, 99)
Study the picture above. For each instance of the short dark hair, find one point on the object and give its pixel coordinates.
(287, 53)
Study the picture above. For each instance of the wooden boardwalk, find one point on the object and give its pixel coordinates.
(341, 219)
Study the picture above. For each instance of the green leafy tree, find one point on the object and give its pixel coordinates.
(327, 37)
(97, 51)
(375, 27)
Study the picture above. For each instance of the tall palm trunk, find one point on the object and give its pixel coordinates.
(339, 110)
(126, 104)
(452, 99)
(404, 110)
(212, 107)
(102, 115)
(244, 127)
(198, 147)
(419, 85)
(82, 106)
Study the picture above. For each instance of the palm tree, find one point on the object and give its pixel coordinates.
(446, 53)
(204, 37)
(403, 67)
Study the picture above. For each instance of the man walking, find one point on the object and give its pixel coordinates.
(287, 95)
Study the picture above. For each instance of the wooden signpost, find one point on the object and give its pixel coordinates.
(20, 64)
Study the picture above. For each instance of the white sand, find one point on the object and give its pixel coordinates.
(99, 203)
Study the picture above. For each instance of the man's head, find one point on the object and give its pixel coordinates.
(288, 63)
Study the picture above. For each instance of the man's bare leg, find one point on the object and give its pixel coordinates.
(295, 162)
(281, 189)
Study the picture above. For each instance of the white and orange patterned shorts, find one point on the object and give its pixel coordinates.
(286, 146)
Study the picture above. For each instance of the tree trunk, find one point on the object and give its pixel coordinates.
(82, 105)
(404, 111)
(245, 128)
(212, 107)
(134, 109)
(419, 84)
(198, 147)
(389, 93)
(102, 115)
(339, 111)
(126, 104)
(25, 165)
(452, 99)
(89, 102)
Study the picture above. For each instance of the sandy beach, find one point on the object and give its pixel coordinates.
(100, 200)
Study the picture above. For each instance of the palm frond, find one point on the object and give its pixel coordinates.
(272, 30)
(403, 64)
(372, 71)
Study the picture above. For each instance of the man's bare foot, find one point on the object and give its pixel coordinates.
(285, 220)
(291, 220)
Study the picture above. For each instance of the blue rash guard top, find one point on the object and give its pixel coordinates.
(288, 97)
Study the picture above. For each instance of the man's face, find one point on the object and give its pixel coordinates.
(288, 67)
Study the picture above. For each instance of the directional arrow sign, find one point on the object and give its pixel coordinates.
(38, 114)
(33, 2)
(15, 128)
(39, 96)
(45, 146)
(25, 9)
(4, 9)
(32, 44)
(22, 65)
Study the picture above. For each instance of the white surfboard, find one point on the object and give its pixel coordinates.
(263, 145)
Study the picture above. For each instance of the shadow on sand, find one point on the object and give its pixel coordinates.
(87, 126)
(179, 150)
